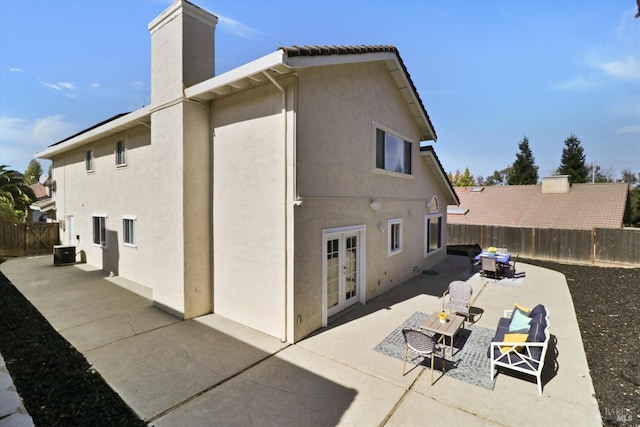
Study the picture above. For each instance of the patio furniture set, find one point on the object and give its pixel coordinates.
(496, 263)
(520, 342)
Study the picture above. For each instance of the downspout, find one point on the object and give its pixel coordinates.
(286, 205)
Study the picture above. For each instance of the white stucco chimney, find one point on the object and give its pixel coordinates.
(182, 50)
(182, 54)
(555, 184)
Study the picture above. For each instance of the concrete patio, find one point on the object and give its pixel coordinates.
(211, 371)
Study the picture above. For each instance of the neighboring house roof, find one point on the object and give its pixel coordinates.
(427, 152)
(39, 190)
(584, 206)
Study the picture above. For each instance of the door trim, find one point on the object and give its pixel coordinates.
(362, 283)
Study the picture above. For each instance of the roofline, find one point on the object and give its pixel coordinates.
(287, 60)
(113, 125)
(284, 61)
(428, 151)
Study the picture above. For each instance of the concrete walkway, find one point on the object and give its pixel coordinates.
(211, 371)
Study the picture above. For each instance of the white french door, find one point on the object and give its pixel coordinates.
(342, 263)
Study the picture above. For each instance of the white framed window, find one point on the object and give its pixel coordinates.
(100, 230)
(432, 234)
(395, 236)
(88, 160)
(129, 230)
(121, 153)
(392, 152)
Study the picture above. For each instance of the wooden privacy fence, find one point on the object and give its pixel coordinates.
(598, 245)
(27, 238)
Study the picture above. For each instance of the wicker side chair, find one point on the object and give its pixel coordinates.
(457, 298)
(424, 345)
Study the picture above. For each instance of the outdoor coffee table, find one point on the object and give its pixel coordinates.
(448, 329)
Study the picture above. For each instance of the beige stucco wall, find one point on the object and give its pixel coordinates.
(336, 180)
(249, 193)
(112, 191)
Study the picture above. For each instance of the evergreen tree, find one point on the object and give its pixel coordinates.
(524, 170)
(573, 161)
(33, 172)
(461, 180)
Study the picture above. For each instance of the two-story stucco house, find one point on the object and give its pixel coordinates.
(276, 194)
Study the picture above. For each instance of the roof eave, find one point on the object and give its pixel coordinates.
(427, 152)
(121, 124)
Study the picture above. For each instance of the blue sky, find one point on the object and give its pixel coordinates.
(489, 72)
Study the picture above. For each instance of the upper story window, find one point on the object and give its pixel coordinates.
(395, 236)
(88, 161)
(393, 153)
(121, 153)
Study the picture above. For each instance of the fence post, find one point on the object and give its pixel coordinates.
(593, 245)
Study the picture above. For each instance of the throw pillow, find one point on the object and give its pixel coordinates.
(519, 321)
(514, 338)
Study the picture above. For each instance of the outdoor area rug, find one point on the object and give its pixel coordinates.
(469, 362)
(506, 281)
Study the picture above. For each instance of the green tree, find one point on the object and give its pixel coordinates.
(498, 177)
(524, 170)
(33, 172)
(572, 162)
(15, 195)
(461, 180)
(598, 174)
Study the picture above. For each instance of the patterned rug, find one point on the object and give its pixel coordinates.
(469, 362)
(506, 281)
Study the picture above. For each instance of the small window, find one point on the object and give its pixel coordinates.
(88, 161)
(121, 153)
(129, 231)
(393, 154)
(432, 234)
(395, 236)
(100, 230)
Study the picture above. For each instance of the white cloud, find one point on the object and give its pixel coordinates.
(16, 70)
(51, 85)
(95, 85)
(627, 68)
(578, 83)
(236, 28)
(633, 130)
(23, 137)
(34, 131)
(67, 85)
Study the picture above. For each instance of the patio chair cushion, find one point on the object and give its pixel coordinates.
(514, 338)
(536, 334)
(519, 321)
(538, 309)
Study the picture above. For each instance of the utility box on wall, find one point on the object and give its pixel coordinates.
(63, 255)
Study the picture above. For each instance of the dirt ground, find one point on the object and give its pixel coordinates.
(607, 304)
(59, 387)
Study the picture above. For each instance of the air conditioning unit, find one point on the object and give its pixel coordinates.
(64, 255)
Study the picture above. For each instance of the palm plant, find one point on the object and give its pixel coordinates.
(15, 194)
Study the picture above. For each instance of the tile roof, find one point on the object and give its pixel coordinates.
(585, 206)
(293, 51)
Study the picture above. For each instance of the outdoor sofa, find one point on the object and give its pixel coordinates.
(521, 342)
